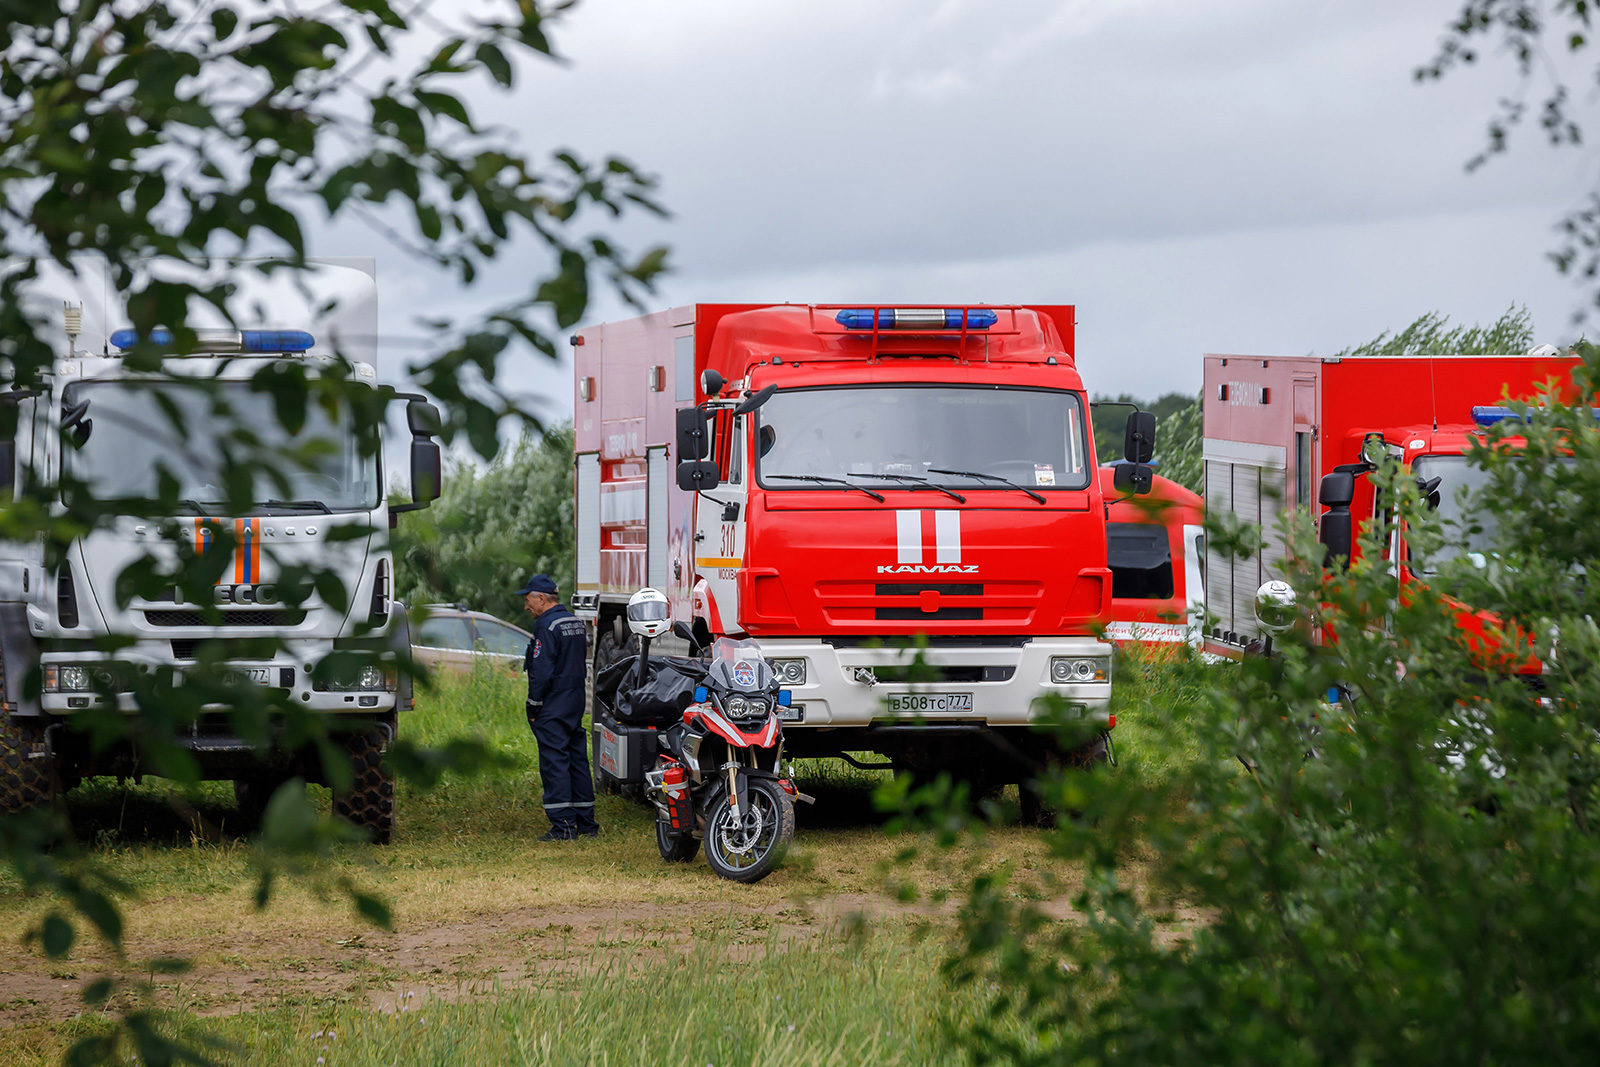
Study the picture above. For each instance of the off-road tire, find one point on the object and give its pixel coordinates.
(28, 779)
(675, 848)
(369, 803)
(251, 796)
(1035, 810)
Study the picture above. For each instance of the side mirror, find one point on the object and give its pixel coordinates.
(1337, 489)
(697, 476)
(1134, 479)
(1276, 606)
(683, 630)
(710, 382)
(1139, 439)
(1429, 488)
(755, 400)
(693, 443)
(423, 419)
(426, 473)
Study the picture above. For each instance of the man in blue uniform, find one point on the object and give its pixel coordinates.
(555, 663)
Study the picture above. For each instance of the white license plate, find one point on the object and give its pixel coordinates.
(927, 703)
(257, 675)
(792, 713)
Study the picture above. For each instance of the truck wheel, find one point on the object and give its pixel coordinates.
(370, 802)
(27, 767)
(675, 848)
(1036, 811)
(251, 796)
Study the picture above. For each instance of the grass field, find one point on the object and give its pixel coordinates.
(505, 950)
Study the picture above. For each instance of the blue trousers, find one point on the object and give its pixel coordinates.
(564, 761)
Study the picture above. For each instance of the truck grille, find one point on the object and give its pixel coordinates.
(254, 617)
(1011, 603)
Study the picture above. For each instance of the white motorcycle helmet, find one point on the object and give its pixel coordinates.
(648, 613)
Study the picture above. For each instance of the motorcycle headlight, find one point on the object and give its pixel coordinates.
(736, 707)
(759, 706)
(790, 671)
(1070, 669)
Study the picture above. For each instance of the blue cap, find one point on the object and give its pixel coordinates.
(539, 583)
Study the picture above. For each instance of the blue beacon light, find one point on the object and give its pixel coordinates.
(915, 318)
(249, 340)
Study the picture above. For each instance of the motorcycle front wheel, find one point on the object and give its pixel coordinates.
(675, 848)
(746, 847)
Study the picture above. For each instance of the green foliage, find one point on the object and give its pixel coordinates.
(1408, 875)
(493, 527)
(1432, 335)
(170, 132)
(1177, 434)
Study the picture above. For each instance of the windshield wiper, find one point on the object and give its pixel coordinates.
(922, 482)
(201, 508)
(297, 505)
(988, 477)
(825, 481)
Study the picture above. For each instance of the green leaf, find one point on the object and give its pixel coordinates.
(444, 104)
(56, 936)
(373, 910)
(223, 23)
(495, 62)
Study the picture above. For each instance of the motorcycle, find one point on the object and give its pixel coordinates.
(718, 774)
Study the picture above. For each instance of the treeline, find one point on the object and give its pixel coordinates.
(492, 527)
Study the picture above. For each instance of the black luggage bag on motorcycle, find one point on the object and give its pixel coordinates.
(628, 714)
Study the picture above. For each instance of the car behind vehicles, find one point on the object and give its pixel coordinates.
(452, 637)
(704, 741)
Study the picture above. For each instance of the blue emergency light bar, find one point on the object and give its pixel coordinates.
(915, 318)
(1489, 414)
(227, 340)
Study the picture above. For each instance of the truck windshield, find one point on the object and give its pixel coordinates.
(131, 437)
(1461, 485)
(1032, 437)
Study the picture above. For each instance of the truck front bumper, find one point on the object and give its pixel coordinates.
(844, 686)
(289, 672)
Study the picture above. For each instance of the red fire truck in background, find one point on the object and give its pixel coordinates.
(1155, 547)
(839, 482)
(1279, 429)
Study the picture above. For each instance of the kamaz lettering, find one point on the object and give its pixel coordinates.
(928, 568)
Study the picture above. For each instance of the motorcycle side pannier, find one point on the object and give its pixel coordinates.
(623, 752)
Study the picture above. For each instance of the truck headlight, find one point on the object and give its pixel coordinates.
(790, 671)
(369, 678)
(1070, 669)
(81, 678)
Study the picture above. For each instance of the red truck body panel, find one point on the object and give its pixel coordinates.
(1140, 613)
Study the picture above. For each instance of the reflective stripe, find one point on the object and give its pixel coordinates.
(574, 804)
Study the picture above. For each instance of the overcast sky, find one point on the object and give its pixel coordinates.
(1252, 176)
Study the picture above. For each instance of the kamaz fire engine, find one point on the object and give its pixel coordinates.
(899, 505)
(1279, 429)
(112, 429)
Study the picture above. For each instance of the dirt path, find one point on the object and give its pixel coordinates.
(261, 964)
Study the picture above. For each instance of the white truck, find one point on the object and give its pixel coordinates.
(97, 421)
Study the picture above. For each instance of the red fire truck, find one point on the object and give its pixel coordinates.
(839, 482)
(1277, 428)
(1155, 546)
